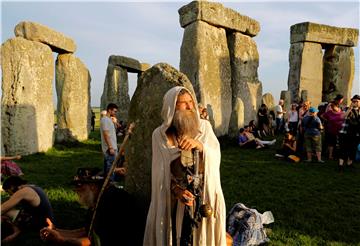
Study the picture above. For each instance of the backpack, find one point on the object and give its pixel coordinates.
(245, 225)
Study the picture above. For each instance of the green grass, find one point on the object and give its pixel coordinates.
(312, 204)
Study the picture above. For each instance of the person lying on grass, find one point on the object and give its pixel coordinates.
(34, 207)
(115, 215)
(247, 140)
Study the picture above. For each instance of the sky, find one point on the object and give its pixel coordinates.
(150, 32)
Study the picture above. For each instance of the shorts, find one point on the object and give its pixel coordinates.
(330, 139)
(313, 143)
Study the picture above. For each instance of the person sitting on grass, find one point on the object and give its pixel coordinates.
(247, 139)
(9, 167)
(34, 206)
(288, 146)
(115, 216)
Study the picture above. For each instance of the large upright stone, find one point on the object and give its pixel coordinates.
(286, 96)
(306, 71)
(237, 118)
(73, 99)
(339, 66)
(268, 100)
(205, 60)
(116, 90)
(36, 32)
(217, 15)
(244, 64)
(318, 33)
(27, 110)
(145, 111)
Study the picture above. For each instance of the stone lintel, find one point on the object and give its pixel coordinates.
(218, 15)
(57, 41)
(313, 32)
(130, 64)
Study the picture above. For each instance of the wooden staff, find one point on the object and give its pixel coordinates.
(107, 179)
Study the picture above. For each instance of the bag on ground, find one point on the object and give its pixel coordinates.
(245, 225)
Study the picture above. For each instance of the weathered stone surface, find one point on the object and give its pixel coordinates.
(116, 90)
(145, 111)
(27, 113)
(217, 15)
(73, 99)
(286, 96)
(130, 64)
(36, 32)
(268, 100)
(237, 118)
(244, 64)
(306, 71)
(205, 60)
(313, 32)
(144, 66)
(304, 95)
(339, 66)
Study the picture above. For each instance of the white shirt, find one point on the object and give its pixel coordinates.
(106, 124)
(279, 109)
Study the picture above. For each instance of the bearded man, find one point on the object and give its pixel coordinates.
(115, 218)
(173, 217)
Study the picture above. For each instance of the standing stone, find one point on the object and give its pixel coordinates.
(268, 100)
(304, 95)
(306, 71)
(116, 90)
(73, 99)
(36, 32)
(237, 118)
(286, 96)
(205, 60)
(339, 66)
(27, 110)
(145, 111)
(244, 64)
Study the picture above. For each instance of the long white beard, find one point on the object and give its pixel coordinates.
(186, 123)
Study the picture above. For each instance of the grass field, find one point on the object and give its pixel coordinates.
(312, 204)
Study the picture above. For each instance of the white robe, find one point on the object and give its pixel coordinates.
(211, 231)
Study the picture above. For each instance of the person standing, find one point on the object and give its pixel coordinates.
(108, 137)
(293, 119)
(279, 118)
(312, 126)
(182, 135)
(349, 137)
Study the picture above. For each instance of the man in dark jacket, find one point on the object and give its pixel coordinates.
(115, 219)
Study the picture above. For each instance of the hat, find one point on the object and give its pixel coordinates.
(85, 175)
(355, 97)
(313, 110)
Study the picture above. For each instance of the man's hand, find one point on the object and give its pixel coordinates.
(111, 151)
(187, 143)
(184, 196)
(121, 171)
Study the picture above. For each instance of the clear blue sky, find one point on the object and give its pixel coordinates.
(150, 32)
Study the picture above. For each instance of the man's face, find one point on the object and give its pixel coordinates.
(112, 112)
(86, 195)
(184, 102)
(355, 103)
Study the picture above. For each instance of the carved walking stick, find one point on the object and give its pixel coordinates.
(107, 179)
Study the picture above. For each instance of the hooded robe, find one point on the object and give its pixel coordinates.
(158, 231)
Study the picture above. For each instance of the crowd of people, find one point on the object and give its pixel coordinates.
(309, 131)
